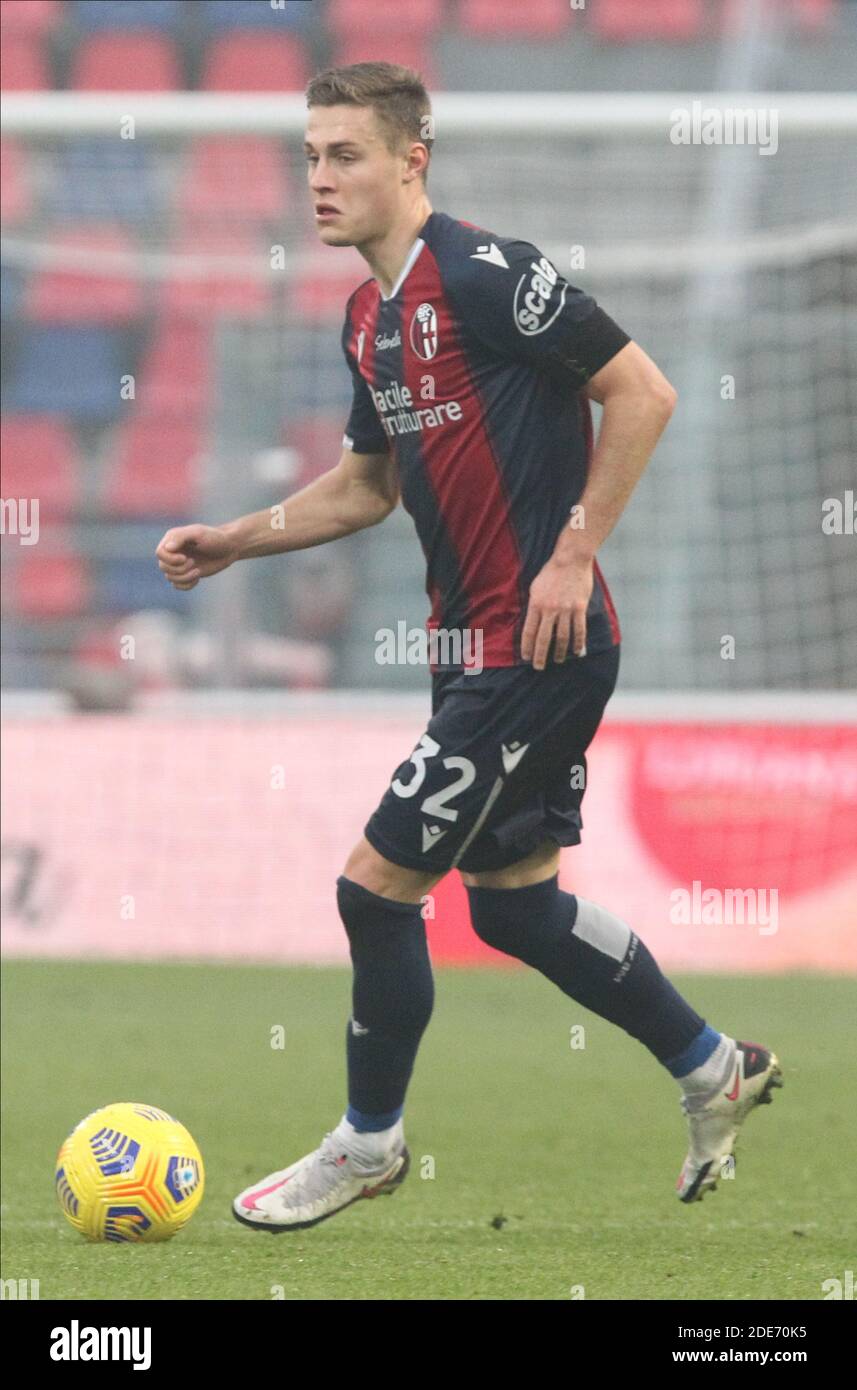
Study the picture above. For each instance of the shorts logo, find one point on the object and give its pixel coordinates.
(512, 755)
(431, 835)
(530, 309)
(424, 332)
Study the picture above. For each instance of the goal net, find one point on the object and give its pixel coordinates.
(163, 248)
(173, 353)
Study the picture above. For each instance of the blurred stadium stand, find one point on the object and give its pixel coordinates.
(240, 389)
(228, 45)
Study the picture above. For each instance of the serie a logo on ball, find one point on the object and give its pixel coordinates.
(130, 1173)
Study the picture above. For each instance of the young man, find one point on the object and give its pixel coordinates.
(473, 362)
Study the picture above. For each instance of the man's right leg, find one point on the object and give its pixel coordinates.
(381, 904)
(392, 997)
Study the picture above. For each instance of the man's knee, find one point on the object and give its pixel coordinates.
(393, 986)
(526, 922)
(366, 867)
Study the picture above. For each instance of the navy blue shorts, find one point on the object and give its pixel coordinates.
(500, 768)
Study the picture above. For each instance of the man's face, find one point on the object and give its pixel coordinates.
(355, 181)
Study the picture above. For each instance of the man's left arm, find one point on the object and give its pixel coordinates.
(637, 401)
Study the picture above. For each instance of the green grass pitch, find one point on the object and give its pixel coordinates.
(537, 1168)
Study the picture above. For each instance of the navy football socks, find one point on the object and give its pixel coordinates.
(589, 953)
(596, 959)
(392, 1001)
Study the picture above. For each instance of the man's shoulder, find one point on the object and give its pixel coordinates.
(363, 292)
(467, 252)
(502, 288)
(357, 303)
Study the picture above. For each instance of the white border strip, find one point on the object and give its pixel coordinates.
(456, 113)
(645, 707)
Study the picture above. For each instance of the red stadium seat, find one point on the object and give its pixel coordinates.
(233, 291)
(327, 279)
(816, 14)
(234, 179)
(126, 63)
(175, 373)
(156, 470)
(256, 62)
(391, 48)
(108, 296)
(39, 459)
(418, 17)
(317, 440)
(15, 201)
(625, 21)
(537, 19)
(23, 65)
(51, 580)
(28, 16)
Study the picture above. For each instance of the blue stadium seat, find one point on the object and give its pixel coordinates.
(127, 14)
(126, 585)
(101, 178)
(256, 14)
(11, 290)
(69, 371)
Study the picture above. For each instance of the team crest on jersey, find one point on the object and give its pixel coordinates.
(424, 332)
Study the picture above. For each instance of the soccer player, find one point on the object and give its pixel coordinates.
(473, 364)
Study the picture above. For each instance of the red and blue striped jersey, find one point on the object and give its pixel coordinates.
(472, 373)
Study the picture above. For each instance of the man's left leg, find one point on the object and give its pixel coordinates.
(589, 953)
(595, 958)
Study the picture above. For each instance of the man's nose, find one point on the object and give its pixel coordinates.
(321, 177)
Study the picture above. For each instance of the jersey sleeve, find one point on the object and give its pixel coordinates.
(364, 433)
(515, 301)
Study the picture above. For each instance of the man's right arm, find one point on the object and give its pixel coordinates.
(360, 491)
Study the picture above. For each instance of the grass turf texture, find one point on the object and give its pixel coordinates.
(553, 1167)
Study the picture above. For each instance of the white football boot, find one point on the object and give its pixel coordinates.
(317, 1186)
(714, 1122)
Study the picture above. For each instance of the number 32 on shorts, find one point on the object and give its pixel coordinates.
(436, 804)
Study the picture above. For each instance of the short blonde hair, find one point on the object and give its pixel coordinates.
(395, 93)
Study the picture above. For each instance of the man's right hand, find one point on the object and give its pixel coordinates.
(187, 554)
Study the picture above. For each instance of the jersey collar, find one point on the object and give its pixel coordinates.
(410, 260)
